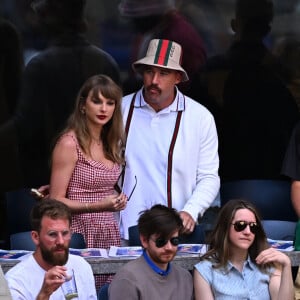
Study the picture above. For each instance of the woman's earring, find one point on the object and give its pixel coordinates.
(83, 111)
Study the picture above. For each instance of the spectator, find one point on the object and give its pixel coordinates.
(159, 19)
(240, 264)
(41, 274)
(86, 164)
(52, 80)
(152, 276)
(172, 143)
(11, 68)
(254, 110)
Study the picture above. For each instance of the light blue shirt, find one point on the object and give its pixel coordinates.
(230, 283)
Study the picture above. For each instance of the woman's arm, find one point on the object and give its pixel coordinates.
(201, 287)
(295, 195)
(281, 282)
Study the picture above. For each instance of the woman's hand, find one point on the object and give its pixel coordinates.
(272, 255)
(114, 202)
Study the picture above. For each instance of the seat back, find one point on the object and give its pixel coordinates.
(103, 292)
(280, 230)
(196, 237)
(134, 236)
(18, 206)
(23, 241)
(271, 197)
(77, 241)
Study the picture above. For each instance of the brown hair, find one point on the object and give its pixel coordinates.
(112, 134)
(51, 208)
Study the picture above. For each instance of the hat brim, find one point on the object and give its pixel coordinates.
(148, 61)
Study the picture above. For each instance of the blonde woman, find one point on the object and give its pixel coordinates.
(87, 161)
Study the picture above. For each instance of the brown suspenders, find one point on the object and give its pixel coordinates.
(172, 145)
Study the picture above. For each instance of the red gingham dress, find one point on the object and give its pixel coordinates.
(92, 181)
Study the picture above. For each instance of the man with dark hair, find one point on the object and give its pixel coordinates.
(41, 274)
(152, 276)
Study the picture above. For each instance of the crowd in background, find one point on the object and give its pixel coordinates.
(240, 62)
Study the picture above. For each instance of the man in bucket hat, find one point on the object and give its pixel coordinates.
(161, 19)
(172, 143)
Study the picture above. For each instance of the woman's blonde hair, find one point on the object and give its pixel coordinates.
(112, 134)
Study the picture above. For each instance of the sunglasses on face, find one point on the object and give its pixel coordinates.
(241, 225)
(160, 242)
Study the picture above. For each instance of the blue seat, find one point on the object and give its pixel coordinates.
(18, 206)
(196, 237)
(23, 241)
(280, 230)
(103, 292)
(134, 236)
(271, 197)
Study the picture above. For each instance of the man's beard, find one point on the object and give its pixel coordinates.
(52, 258)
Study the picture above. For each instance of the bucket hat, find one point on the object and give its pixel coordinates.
(164, 54)
(143, 8)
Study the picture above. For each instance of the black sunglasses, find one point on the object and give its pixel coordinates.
(241, 225)
(120, 190)
(160, 242)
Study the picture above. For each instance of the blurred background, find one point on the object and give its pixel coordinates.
(115, 33)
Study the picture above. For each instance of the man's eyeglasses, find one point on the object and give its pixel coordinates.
(241, 225)
(160, 242)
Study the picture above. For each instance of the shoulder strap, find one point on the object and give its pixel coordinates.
(172, 145)
(129, 117)
(170, 159)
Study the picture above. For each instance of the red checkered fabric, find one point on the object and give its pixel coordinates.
(92, 181)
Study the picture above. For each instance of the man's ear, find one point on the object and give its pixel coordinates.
(144, 241)
(35, 237)
(179, 77)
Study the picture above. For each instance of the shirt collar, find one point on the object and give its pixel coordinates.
(177, 105)
(247, 263)
(154, 267)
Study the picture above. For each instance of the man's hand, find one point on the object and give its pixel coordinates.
(188, 222)
(53, 279)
